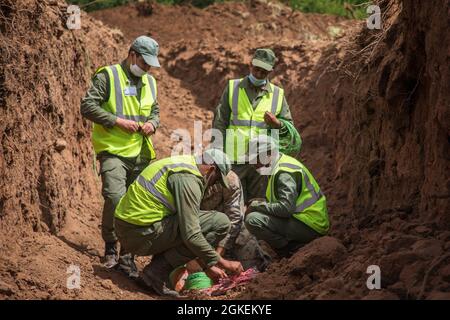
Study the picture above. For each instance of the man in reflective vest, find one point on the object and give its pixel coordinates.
(160, 215)
(248, 107)
(295, 210)
(122, 103)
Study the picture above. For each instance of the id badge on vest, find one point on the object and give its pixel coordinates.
(130, 91)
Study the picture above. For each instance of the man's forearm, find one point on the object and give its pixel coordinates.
(97, 114)
(201, 248)
(187, 196)
(277, 209)
(153, 118)
(285, 112)
(232, 208)
(286, 193)
(91, 105)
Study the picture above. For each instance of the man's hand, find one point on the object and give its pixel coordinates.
(215, 273)
(148, 129)
(271, 120)
(220, 251)
(127, 125)
(234, 267)
(250, 208)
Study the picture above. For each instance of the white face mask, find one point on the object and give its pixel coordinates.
(265, 171)
(136, 70)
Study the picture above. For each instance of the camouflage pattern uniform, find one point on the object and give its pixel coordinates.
(239, 244)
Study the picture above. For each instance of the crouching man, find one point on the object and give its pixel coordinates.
(238, 244)
(295, 210)
(160, 216)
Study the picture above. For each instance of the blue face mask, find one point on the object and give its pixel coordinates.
(256, 82)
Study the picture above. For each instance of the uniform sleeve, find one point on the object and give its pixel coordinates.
(285, 112)
(286, 191)
(91, 104)
(154, 115)
(232, 206)
(222, 114)
(187, 192)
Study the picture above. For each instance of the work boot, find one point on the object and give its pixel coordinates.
(156, 276)
(263, 257)
(110, 259)
(265, 262)
(127, 266)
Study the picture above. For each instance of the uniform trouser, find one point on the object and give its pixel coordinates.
(253, 184)
(278, 232)
(164, 236)
(117, 174)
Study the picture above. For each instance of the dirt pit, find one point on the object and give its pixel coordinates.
(372, 108)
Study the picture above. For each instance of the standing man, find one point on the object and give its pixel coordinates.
(248, 107)
(122, 103)
(160, 215)
(295, 211)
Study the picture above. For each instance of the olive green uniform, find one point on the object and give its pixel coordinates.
(254, 184)
(239, 244)
(273, 222)
(183, 236)
(117, 172)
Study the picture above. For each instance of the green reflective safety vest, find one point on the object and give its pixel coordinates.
(246, 122)
(148, 198)
(126, 106)
(311, 206)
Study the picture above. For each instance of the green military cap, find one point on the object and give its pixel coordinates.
(148, 48)
(222, 162)
(264, 58)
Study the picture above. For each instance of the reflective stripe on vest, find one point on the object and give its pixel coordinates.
(119, 100)
(235, 107)
(313, 210)
(246, 121)
(315, 195)
(114, 140)
(149, 199)
(149, 185)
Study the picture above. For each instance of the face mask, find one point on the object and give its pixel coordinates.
(256, 82)
(136, 70)
(263, 171)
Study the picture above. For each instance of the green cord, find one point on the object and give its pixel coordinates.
(290, 143)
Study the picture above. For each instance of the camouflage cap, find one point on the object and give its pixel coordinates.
(264, 58)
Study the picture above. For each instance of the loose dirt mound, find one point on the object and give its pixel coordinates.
(225, 22)
(358, 140)
(46, 163)
(381, 110)
(372, 108)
